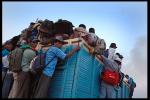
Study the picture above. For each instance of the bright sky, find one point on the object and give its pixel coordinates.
(124, 23)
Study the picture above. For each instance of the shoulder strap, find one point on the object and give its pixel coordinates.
(49, 61)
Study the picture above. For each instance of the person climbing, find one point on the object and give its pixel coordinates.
(52, 56)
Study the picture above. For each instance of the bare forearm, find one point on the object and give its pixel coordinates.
(72, 52)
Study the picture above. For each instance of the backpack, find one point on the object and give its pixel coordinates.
(38, 64)
(63, 26)
(15, 59)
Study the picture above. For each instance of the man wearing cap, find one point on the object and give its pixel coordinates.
(108, 90)
(52, 56)
(109, 53)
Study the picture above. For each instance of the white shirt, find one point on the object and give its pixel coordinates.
(5, 61)
(111, 53)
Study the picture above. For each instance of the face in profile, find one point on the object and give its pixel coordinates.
(60, 44)
(9, 46)
(34, 44)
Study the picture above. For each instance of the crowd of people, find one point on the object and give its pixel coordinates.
(46, 37)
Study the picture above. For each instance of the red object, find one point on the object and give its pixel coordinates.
(111, 77)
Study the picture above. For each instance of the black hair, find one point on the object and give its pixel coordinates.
(120, 56)
(92, 30)
(127, 76)
(14, 41)
(82, 25)
(118, 62)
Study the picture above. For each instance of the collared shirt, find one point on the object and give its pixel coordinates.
(52, 53)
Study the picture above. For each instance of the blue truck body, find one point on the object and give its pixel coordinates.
(79, 77)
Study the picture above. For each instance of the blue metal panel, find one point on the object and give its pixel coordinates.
(127, 92)
(118, 92)
(78, 77)
(82, 86)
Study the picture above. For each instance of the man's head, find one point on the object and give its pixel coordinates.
(127, 76)
(91, 30)
(82, 25)
(45, 31)
(46, 27)
(113, 45)
(117, 60)
(59, 41)
(8, 45)
(119, 55)
(34, 43)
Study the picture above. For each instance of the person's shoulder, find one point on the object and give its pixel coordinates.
(29, 50)
(54, 48)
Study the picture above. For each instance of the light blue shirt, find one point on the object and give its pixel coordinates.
(52, 53)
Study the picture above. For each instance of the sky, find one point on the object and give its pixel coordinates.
(124, 23)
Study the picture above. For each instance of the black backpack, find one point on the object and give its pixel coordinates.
(38, 63)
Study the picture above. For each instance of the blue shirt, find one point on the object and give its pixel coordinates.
(52, 53)
(5, 52)
(130, 80)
